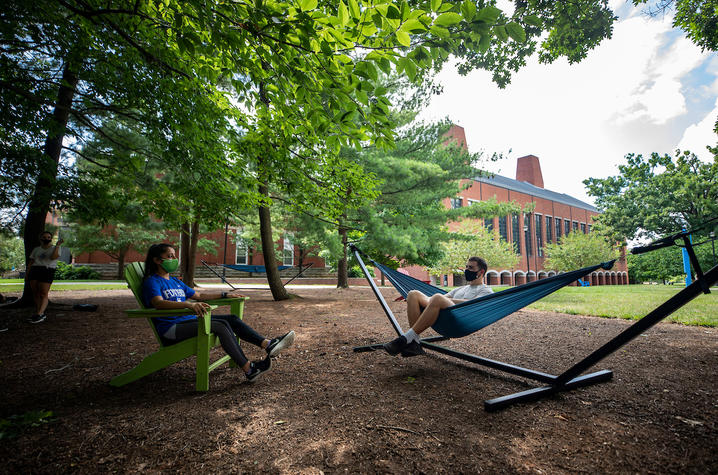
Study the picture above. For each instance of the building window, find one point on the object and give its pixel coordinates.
(558, 229)
(516, 233)
(566, 227)
(241, 250)
(288, 252)
(583, 228)
(489, 224)
(539, 234)
(503, 230)
(589, 229)
(575, 226)
(527, 235)
(549, 229)
(456, 203)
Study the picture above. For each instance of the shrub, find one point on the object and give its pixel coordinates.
(69, 272)
(355, 271)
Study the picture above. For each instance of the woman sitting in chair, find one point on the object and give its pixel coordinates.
(161, 291)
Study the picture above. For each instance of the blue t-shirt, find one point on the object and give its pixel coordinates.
(169, 289)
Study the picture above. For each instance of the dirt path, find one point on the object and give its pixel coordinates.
(323, 408)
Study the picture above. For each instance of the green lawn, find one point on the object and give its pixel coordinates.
(16, 285)
(630, 302)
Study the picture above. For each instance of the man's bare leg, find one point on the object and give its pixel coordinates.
(415, 301)
(409, 343)
(428, 317)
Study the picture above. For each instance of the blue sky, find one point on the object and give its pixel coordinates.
(648, 89)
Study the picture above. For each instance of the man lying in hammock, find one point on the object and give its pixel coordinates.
(408, 343)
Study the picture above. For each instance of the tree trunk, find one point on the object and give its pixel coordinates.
(342, 271)
(270, 261)
(192, 254)
(46, 181)
(184, 250)
(121, 263)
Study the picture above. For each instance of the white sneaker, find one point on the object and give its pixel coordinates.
(278, 344)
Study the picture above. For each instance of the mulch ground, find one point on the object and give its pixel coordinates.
(323, 408)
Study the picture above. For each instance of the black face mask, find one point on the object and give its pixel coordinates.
(470, 275)
(45, 241)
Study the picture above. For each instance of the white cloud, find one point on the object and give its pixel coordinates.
(628, 95)
(697, 136)
(659, 97)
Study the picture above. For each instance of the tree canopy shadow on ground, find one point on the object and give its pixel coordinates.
(325, 408)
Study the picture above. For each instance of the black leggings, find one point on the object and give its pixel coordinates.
(227, 328)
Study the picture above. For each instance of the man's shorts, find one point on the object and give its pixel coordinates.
(41, 274)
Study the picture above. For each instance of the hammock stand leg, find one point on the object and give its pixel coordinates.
(217, 274)
(571, 378)
(379, 346)
(301, 271)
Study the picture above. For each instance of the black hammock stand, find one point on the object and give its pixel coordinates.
(251, 269)
(573, 377)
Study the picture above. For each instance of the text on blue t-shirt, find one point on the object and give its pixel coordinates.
(169, 289)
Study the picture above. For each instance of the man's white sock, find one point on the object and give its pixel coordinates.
(411, 335)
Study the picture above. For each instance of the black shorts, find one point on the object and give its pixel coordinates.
(41, 274)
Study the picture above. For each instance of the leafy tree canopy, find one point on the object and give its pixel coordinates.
(658, 195)
(698, 18)
(577, 250)
(473, 239)
(11, 253)
(192, 74)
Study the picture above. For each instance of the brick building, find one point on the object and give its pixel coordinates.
(555, 214)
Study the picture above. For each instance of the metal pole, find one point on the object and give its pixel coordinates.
(527, 236)
(224, 258)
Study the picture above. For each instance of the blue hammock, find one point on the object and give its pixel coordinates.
(251, 268)
(467, 317)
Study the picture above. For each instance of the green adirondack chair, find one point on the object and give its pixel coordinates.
(198, 346)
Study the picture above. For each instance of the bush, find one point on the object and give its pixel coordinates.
(68, 272)
(355, 271)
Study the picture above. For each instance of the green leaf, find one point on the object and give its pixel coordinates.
(393, 12)
(362, 97)
(354, 9)
(308, 5)
(533, 20)
(343, 14)
(371, 71)
(489, 14)
(484, 43)
(447, 19)
(409, 67)
(403, 38)
(468, 9)
(385, 65)
(501, 33)
(369, 29)
(516, 32)
(440, 31)
(435, 4)
(413, 26)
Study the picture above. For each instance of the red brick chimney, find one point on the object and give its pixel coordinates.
(528, 169)
(456, 135)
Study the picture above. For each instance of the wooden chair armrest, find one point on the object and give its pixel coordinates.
(153, 312)
(226, 300)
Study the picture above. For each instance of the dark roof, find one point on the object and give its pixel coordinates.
(529, 189)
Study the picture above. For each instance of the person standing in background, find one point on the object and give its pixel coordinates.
(41, 273)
